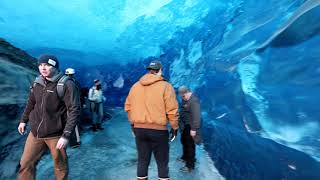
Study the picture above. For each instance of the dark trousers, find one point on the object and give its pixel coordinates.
(150, 141)
(75, 137)
(189, 147)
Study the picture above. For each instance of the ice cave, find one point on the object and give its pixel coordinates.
(255, 66)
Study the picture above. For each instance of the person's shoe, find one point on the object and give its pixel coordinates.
(142, 178)
(76, 145)
(186, 169)
(179, 159)
(99, 127)
(94, 128)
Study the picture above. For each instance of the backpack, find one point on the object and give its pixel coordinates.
(60, 86)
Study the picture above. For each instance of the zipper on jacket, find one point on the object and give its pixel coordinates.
(41, 107)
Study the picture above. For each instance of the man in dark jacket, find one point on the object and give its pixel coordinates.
(51, 118)
(189, 123)
(74, 140)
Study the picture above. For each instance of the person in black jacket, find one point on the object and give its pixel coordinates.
(74, 140)
(189, 123)
(52, 119)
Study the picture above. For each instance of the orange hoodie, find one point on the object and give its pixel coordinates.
(151, 103)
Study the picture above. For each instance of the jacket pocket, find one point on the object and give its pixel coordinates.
(58, 123)
(52, 126)
(61, 123)
(31, 115)
(32, 120)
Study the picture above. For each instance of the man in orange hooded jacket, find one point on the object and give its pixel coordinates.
(151, 105)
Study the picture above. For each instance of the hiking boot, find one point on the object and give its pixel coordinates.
(99, 127)
(76, 145)
(179, 159)
(94, 128)
(142, 178)
(186, 169)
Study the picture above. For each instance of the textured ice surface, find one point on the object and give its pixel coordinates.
(97, 29)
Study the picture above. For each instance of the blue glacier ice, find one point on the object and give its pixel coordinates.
(254, 65)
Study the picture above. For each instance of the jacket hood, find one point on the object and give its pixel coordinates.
(149, 79)
(55, 78)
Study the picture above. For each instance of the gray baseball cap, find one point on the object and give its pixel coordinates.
(154, 65)
(183, 89)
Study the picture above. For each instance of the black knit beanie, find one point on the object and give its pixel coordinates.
(49, 59)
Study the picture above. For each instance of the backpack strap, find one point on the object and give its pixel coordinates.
(61, 85)
(38, 80)
(32, 86)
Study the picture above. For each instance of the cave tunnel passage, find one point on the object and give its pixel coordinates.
(253, 65)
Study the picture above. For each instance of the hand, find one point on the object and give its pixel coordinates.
(173, 133)
(62, 143)
(193, 133)
(22, 128)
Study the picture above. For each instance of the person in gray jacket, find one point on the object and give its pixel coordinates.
(189, 123)
(96, 99)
